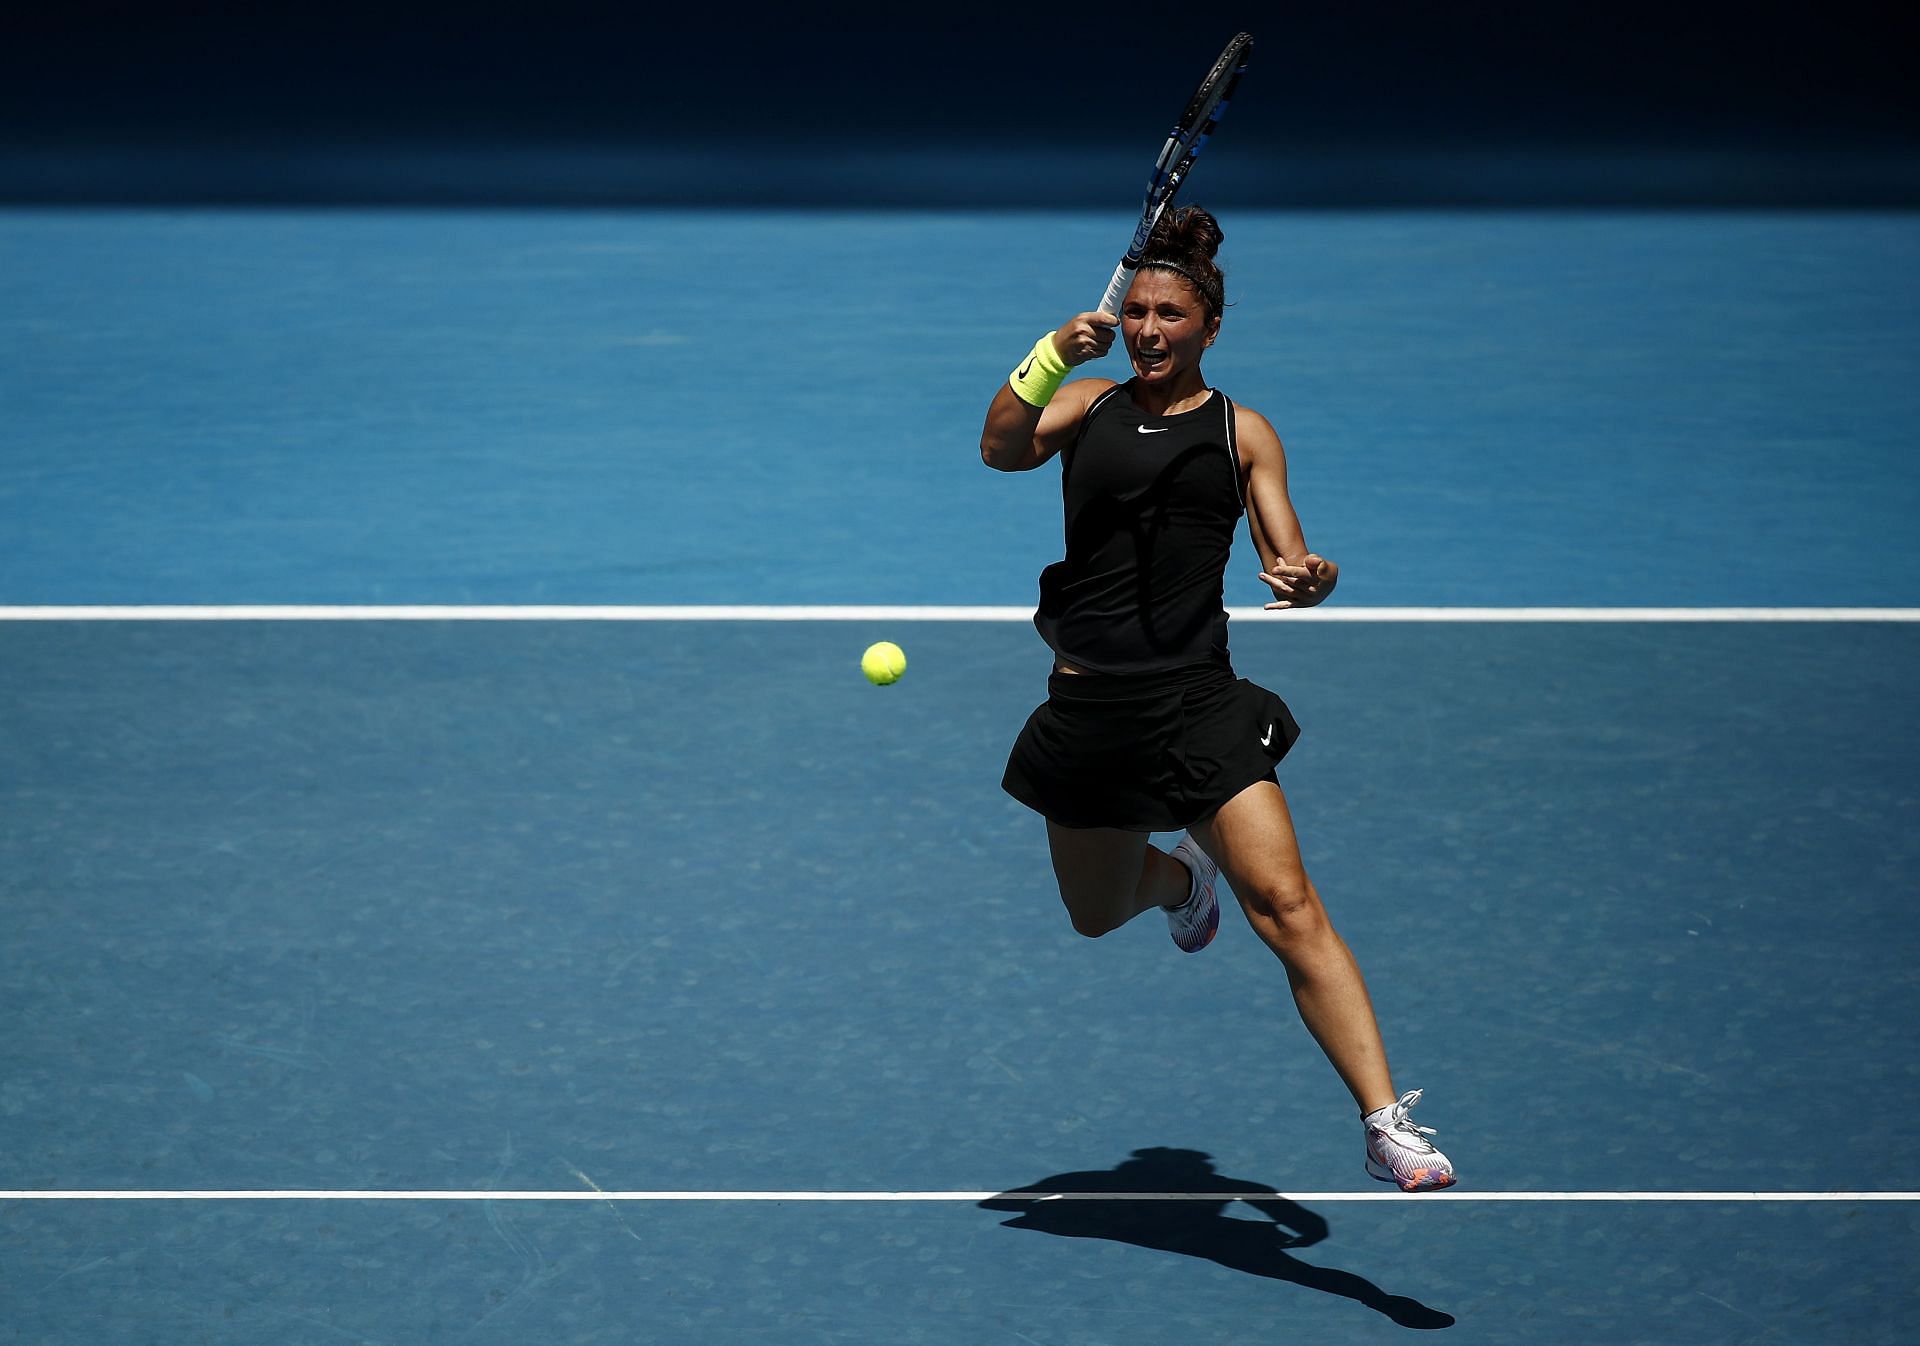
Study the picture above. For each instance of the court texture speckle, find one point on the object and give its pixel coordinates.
(457, 885)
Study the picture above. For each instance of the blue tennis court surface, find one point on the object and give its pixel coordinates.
(390, 407)
(687, 907)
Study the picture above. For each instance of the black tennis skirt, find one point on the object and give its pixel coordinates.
(1146, 752)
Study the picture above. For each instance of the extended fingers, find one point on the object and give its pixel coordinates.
(1289, 582)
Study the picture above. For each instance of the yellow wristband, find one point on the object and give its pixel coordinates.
(1038, 377)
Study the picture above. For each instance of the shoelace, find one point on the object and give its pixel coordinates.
(1408, 1133)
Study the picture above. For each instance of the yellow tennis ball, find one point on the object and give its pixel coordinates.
(883, 663)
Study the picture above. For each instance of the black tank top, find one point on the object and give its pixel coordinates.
(1152, 503)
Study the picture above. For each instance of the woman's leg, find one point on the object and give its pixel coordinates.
(1251, 836)
(1107, 876)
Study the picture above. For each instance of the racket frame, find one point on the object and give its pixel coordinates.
(1189, 137)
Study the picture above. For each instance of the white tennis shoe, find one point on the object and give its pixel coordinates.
(1196, 921)
(1399, 1152)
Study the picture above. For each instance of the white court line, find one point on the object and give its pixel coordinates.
(91, 1194)
(897, 613)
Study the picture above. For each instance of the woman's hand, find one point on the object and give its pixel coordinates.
(1303, 585)
(1088, 337)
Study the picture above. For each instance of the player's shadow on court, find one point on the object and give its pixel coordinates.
(1199, 1228)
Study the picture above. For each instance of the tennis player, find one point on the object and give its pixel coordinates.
(1145, 727)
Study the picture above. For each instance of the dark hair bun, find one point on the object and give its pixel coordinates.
(1187, 232)
(1185, 241)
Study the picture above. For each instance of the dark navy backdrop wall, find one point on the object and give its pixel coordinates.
(1373, 102)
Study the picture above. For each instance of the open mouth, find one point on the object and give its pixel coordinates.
(1150, 359)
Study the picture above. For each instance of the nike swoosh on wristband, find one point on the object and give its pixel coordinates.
(1025, 367)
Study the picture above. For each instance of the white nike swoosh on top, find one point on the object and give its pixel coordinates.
(1266, 739)
(1145, 431)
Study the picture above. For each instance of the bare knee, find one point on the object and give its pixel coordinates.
(1090, 927)
(1288, 911)
(1099, 871)
(1092, 914)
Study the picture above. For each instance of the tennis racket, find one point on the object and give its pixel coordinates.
(1204, 110)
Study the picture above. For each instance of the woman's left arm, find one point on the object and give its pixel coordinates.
(1299, 578)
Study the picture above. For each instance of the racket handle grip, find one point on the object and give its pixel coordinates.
(1117, 288)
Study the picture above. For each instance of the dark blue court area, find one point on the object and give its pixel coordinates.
(690, 906)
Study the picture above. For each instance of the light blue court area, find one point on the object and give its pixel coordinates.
(658, 906)
(1481, 408)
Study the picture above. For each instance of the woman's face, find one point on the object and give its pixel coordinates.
(1164, 325)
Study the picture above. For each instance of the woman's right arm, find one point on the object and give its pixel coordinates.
(1020, 436)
